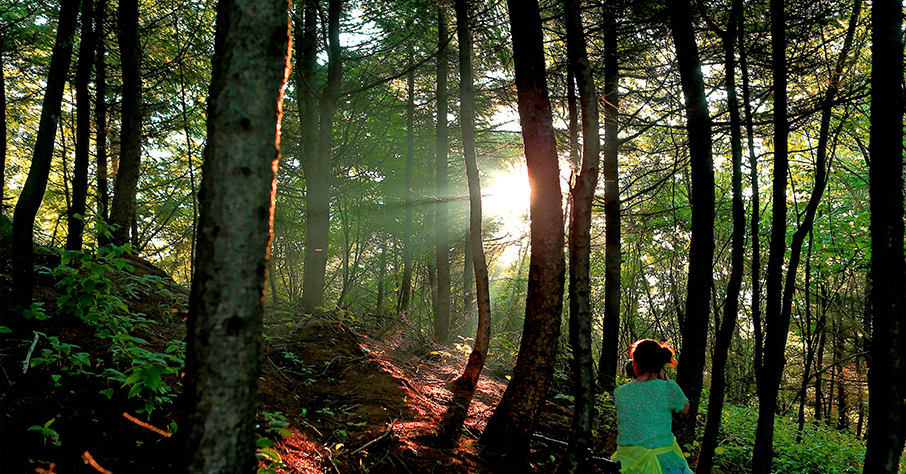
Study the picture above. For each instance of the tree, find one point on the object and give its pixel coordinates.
(122, 209)
(469, 378)
(694, 327)
(441, 216)
(771, 369)
(100, 108)
(887, 384)
(610, 340)
(76, 216)
(582, 194)
(33, 192)
(250, 64)
(724, 335)
(510, 427)
(317, 167)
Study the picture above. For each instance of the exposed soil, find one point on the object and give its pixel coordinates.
(356, 402)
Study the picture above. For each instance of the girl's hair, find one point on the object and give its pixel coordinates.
(651, 356)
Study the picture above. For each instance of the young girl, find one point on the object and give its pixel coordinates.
(645, 406)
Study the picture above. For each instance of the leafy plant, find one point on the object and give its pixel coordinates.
(47, 432)
(275, 428)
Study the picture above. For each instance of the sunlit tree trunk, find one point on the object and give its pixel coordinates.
(36, 183)
(610, 340)
(122, 209)
(76, 214)
(441, 217)
(250, 65)
(510, 428)
(701, 247)
(768, 375)
(469, 378)
(2, 123)
(582, 194)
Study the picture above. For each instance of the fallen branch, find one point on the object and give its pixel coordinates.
(28, 356)
(147, 425)
(375, 440)
(90, 460)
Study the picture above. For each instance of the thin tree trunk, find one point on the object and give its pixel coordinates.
(76, 215)
(583, 193)
(610, 341)
(251, 57)
(122, 209)
(2, 123)
(509, 429)
(724, 336)
(406, 283)
(100, 110)
(441, 217)
(36, 183)
(701, 247)
(768, 375)
(317, 168)
(469, 378)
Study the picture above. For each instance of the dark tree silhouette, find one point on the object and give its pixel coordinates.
(886, 377)
(83, 131)
(509, 429)
(36, 183)
(122, 209)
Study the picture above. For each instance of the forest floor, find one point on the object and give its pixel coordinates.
(354, 401)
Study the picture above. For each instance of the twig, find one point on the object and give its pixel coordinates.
(28, 356)
(147, 425)
(90, 460)
(375, 440)
(278, 369)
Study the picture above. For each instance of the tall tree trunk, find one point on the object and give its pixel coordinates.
(886, 378)
(406, 283)
(251, 60)
(583, 194)
(701, 247)
(100, 109)
(509, 429)
(469, 378)
(441, 217)
(318, 180)
(382, 274)
(610, 341)
(36, 183)
(768, 374)
(727, 328)
(122, 209)
(76, 215)
(2, 124)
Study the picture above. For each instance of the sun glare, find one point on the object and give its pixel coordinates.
(506, 199)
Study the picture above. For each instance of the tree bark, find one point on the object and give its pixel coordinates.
(768, 375)
(100, 109)
(406, 282)
(2, 124)
(36, 183)
(701, 247)
(76, 215)
(251, 61)
(509, 429)
(578, 453)
(317, 171)
(469, 378)
(122, 209)
(886, 377)
(610, 340)
(724, 336)
(441, 217)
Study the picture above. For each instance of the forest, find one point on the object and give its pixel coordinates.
(252, 227)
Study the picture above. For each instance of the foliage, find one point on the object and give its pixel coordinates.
(47, 432)
(274, 429)
(823, 449)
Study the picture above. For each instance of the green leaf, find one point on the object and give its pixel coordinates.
(5, 330)
(107, 392)
(264, 443)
